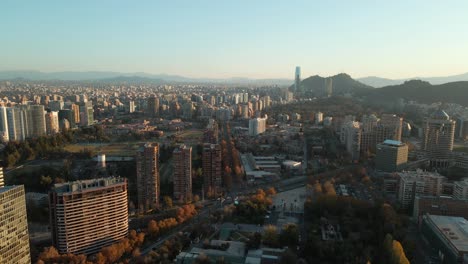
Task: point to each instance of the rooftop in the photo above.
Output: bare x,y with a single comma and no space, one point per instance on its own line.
7,188
395,143
454,229
77,186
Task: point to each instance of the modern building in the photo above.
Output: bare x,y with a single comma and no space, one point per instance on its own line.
86,113
297,79
460,189
182,157
448,235
318,118
257,126
86,216
419,182
439,205
351,137
69,115
34,120
439,133
329,86
375,130
17,128
52,123
391,156
3,124
56,105
148,183
212,171
14,236
2,182
153,106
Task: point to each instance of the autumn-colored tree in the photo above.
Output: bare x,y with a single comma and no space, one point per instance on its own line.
271,191
153,228
270,235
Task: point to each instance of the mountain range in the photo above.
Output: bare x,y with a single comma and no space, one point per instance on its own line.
131,77
379,82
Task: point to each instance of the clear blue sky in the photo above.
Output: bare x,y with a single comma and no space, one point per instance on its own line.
224,38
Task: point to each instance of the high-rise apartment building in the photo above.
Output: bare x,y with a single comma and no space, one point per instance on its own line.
148,185
14,236
391,156
182,173
153,106
211,160
2,182
34,119
413,183
351,137
375,130
76,113
86,113
17,128
86,216
460,189
52,123
3,124
439,132
257,126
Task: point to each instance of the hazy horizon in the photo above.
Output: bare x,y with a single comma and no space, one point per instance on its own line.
260,40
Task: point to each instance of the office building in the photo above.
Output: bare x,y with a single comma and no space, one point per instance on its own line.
460,189
182,173
297,79
391,156
448,236
86,216
35,120
329,86
439,132
414,183
14,236
148,185
212,172
257,126
439,205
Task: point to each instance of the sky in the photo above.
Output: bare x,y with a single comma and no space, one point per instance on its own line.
223,38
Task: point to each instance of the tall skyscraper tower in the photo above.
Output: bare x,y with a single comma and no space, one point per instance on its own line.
329,86
439,133
211,159
14,236
3,124
183,173
153,106
148,186
297,79
87,113
86,216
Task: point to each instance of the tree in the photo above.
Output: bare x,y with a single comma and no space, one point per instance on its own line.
289,236
153,228
271,191
196,198
270,235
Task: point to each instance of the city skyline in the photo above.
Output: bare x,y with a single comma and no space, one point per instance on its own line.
241,39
